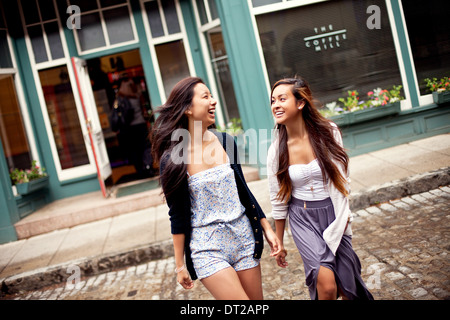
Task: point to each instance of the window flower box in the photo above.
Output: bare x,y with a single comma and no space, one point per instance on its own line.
440,89
29,180
441,97
374,113
32,185
379,103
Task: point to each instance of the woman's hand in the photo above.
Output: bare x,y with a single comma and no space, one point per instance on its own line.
271,237
274,242
184,279
281,258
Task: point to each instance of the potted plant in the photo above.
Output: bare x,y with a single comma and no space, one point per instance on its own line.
378,103
440,89
29,180
234,128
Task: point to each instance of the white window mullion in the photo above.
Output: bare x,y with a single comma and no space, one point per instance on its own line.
103,24
208,12
47,46
163,18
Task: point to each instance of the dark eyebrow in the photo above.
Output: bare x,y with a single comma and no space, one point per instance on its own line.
283,94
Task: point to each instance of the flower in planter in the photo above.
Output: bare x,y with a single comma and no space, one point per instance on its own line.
376,97
382,97
23,176
351,101
435,85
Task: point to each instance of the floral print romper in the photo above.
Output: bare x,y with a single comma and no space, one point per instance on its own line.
221,232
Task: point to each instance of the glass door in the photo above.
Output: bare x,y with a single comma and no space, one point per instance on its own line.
93,126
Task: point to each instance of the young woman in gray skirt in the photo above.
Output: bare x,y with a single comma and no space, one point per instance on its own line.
307,170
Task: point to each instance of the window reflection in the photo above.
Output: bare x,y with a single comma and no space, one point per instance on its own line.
172,63
223,74
64,119
429,37
12,131
330,45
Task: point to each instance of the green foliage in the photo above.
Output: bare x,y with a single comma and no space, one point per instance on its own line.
26,175
376,97
441,85
234,127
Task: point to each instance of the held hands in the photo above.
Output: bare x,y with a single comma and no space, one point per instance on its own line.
281,258
274,242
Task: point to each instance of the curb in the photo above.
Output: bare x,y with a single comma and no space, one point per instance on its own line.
85,267
400,188
90,266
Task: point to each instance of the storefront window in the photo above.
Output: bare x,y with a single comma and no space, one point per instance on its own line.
429,37
207,11
107,25
12,131
223,74
154,18
91,34
330,45
43,30
118,25
172,63
5,56
165,25
63,116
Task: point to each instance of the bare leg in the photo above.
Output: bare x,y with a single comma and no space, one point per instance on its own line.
225,285
326,284
251,281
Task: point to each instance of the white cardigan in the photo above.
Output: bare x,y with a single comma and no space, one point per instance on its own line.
333,233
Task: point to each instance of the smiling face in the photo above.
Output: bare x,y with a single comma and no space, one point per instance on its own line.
285,106
203,106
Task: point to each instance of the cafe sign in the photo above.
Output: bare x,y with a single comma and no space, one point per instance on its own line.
325,38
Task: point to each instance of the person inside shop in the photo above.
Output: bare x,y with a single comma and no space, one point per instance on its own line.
216,222
134,138
307,170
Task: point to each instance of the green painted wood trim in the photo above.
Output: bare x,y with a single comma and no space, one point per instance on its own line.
9,213
407,126
8,234
407,58
245,64
146,57
193,39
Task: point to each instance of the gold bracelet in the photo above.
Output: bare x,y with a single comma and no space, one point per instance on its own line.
177,270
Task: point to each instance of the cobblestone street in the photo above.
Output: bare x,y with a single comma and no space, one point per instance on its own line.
403,246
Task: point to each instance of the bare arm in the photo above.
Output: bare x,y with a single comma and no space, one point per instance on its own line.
183,277
279,230
272,239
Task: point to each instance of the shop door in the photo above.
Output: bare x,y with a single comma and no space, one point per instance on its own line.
92,122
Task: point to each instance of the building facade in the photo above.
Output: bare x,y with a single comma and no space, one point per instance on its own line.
61,62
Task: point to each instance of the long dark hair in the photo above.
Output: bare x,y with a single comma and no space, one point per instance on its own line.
172,117
321,137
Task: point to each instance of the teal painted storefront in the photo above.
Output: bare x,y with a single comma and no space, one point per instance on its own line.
250,83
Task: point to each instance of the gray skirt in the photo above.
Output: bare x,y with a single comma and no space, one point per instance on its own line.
307,226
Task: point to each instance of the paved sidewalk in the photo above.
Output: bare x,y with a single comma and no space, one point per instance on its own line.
144,235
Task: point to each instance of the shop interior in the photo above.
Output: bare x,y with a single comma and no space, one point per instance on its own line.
106,74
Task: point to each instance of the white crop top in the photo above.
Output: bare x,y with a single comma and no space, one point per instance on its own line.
307,182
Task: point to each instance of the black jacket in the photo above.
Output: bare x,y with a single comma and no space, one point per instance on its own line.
180,205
